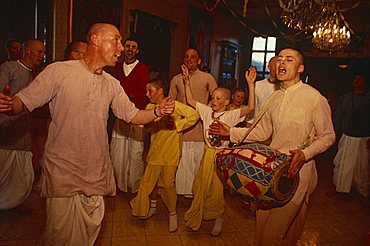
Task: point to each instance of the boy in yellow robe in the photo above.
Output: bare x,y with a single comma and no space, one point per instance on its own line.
208,202
163,157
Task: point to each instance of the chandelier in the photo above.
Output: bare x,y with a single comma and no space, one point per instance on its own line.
320,17
302,15
331,34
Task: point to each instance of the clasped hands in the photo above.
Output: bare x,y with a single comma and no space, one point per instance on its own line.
166,107
298,157
6,103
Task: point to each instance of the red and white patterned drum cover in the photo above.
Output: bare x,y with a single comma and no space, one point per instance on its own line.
258,173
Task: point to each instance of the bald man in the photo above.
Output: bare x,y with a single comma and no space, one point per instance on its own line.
202,85
265,87
75,50
296,127
16,171
77,170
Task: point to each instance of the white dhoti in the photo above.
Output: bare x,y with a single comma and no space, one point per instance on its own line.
351,165
126,149
16,177
192,153
73,220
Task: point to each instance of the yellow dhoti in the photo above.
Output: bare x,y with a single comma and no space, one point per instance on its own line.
208,202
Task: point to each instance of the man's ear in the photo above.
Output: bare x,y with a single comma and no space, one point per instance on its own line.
199,61
301,69
94,39
137,51
27,50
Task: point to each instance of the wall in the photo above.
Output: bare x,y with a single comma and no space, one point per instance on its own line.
224,28
227,28
175,11
16,20
60,27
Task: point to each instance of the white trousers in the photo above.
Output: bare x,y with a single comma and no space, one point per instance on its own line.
351,165
126,150
16,177
192,153
73,220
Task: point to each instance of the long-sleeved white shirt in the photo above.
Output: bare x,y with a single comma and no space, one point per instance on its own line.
299,117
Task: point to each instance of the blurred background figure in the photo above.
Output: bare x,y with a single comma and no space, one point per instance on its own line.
237,99
13,50
16,148
75,50
352,125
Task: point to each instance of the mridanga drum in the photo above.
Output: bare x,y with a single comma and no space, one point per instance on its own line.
257,172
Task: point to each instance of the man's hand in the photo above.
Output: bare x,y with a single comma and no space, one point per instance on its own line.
185,74
298,159
166,107
251,75
219,128
6,103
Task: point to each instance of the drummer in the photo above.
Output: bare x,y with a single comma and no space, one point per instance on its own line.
208,202
299,123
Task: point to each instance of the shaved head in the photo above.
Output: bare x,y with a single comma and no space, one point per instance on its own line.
98,29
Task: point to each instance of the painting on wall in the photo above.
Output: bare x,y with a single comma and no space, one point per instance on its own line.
200,31
88,12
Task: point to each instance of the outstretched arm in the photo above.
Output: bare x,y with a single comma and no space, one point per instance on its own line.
250,76
11,105
166,107
189,95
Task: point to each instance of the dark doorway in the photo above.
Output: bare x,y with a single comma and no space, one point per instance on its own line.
154,36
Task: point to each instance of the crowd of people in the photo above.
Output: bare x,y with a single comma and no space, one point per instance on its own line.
118,128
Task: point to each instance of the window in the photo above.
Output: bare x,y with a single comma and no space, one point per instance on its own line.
262,51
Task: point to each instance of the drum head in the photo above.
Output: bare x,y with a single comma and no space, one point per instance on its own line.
282,187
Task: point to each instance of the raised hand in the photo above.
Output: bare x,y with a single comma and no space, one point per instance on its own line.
185,73
251,75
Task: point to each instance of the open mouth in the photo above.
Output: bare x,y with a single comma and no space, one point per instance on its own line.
282,70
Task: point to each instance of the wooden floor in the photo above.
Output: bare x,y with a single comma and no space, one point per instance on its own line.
332,220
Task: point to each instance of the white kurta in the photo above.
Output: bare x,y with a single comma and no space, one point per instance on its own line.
300,118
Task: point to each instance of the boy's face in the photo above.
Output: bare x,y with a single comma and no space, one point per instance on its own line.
153,93
238,98
219,101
